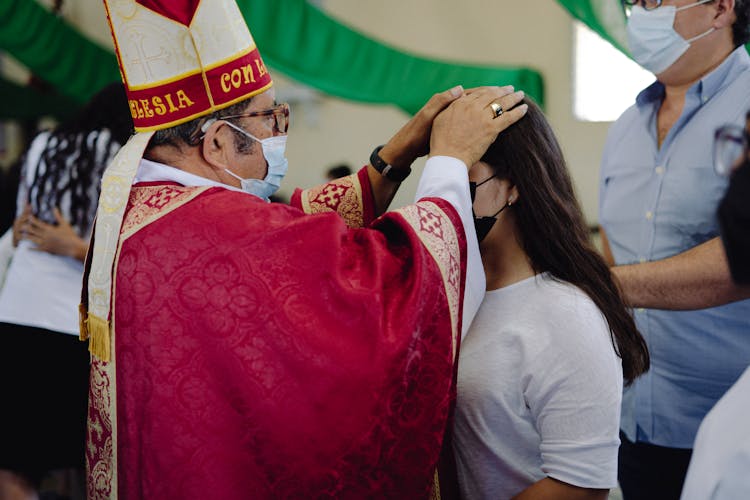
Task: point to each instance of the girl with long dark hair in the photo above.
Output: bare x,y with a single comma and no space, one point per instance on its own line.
541,369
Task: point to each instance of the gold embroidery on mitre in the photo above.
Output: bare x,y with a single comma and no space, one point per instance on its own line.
343,196
166,63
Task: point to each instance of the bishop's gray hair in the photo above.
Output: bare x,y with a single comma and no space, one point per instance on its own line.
189,133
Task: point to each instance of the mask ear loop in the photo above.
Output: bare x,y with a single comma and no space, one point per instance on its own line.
207,125
198,135
242,131
510,202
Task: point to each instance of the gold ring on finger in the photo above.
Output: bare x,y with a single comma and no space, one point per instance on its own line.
497,110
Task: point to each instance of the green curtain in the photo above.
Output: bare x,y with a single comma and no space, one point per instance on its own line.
25,103
311,47
54,51
605,17
294,37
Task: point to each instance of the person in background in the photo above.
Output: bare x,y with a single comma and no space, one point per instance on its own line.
338,171
734,209
541,369
721,456
43,366
657,208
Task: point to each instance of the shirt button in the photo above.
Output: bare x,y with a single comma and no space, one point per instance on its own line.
649,215
659,170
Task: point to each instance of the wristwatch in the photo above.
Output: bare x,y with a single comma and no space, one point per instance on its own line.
387,171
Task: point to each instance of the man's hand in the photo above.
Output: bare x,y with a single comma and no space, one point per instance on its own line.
468,126
409,143
60,239
413,139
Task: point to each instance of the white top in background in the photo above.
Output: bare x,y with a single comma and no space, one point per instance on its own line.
720,465
42,290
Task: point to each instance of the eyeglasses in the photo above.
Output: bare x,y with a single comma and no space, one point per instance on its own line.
473,186
627,5
730,148
279,114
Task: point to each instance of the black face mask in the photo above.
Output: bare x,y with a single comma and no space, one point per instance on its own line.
483,225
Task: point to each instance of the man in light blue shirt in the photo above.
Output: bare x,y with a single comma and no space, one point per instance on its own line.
658,199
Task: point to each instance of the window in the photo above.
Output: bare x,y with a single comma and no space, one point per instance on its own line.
605,81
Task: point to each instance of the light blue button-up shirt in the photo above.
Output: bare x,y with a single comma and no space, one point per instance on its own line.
655,203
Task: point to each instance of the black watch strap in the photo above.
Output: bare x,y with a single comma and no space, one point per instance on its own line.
387,171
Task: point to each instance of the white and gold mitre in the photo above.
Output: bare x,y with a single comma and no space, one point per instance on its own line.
181,59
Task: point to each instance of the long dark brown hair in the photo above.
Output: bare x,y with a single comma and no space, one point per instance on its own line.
552,230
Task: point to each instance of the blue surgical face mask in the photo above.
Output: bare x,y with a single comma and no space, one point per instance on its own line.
652,39
273,151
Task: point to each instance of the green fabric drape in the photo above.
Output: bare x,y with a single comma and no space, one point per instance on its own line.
311,47
605,17
54,51
24,103
294,37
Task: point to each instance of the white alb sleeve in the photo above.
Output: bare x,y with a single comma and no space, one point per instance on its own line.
448,178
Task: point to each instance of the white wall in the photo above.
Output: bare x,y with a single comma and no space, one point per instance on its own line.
535,33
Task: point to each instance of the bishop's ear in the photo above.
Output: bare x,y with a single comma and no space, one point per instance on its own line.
215,144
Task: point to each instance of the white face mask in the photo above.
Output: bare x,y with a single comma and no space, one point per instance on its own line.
652,40
273,151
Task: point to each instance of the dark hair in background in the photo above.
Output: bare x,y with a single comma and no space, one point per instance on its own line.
338,171
552,229
741,27
72,161
107,109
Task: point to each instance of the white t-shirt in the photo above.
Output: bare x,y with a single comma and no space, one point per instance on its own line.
720,465
539,391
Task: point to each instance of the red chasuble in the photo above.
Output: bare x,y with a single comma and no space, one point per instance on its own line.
269,351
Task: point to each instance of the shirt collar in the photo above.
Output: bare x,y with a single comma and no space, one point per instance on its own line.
650,94
708,86
151,171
